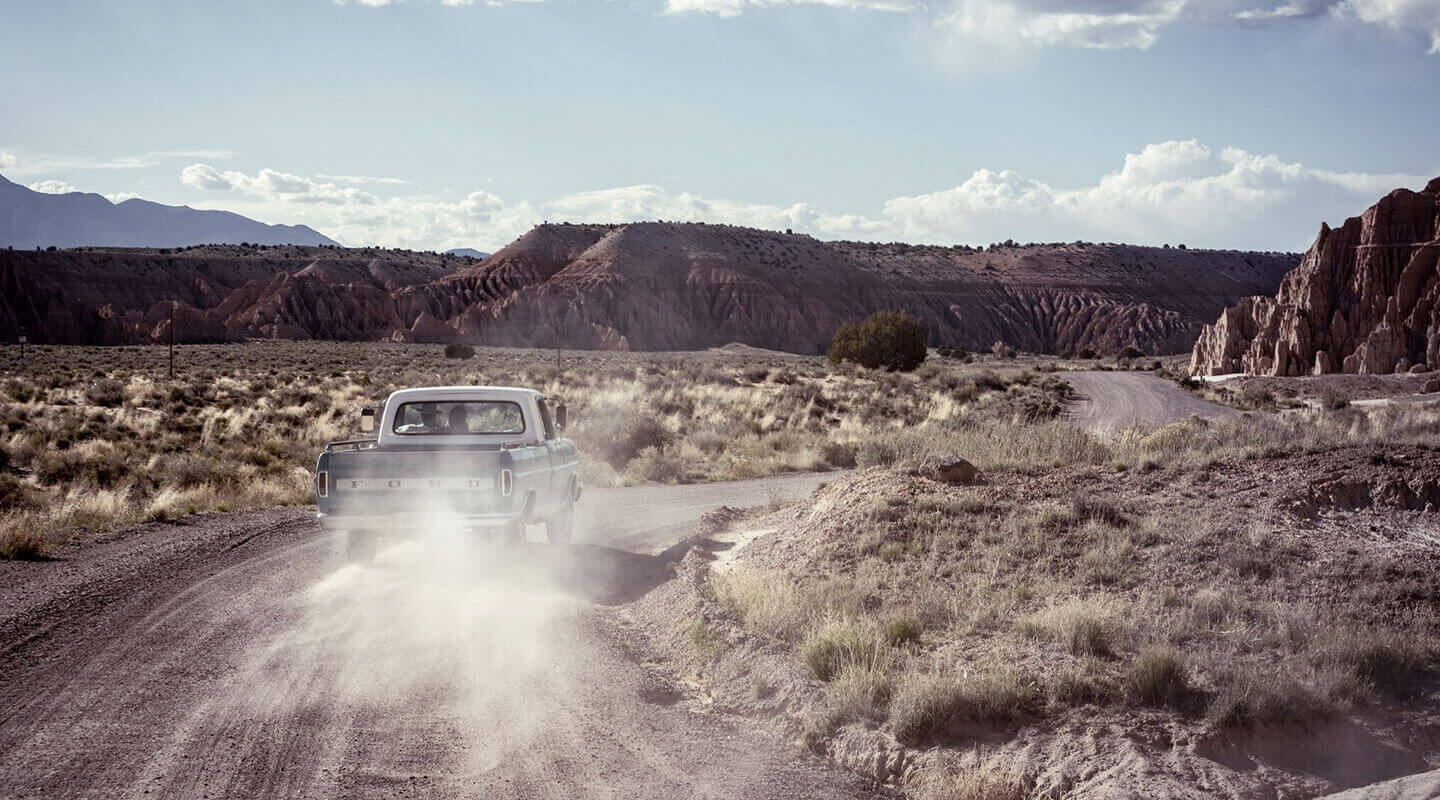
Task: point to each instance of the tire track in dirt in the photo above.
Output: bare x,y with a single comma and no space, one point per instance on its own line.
236,656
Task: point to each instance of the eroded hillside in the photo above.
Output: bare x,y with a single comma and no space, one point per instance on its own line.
643,286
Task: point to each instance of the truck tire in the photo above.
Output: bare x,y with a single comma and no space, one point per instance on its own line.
360,547
514,535
561,525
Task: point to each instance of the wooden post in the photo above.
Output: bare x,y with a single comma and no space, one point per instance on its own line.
172,340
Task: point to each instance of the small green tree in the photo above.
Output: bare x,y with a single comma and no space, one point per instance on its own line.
889,339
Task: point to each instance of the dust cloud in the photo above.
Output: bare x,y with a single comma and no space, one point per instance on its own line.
446,652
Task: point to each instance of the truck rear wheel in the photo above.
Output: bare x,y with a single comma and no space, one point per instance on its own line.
561,525
360,547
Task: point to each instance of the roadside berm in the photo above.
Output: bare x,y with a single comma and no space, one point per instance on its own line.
1263,627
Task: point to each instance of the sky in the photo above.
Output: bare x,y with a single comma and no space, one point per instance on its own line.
433,124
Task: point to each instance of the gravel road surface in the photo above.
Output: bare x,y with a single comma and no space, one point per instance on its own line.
1104,402
237,656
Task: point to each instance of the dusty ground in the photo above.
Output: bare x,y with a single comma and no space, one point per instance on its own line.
235,656
1107,401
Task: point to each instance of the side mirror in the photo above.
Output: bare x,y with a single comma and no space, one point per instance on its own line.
560,416
367,420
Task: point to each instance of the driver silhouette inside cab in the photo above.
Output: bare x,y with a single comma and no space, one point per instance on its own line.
459,419
429,422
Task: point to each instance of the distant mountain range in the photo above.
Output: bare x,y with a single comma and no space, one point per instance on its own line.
30,219
467,252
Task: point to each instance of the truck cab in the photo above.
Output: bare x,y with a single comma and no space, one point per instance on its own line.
482,460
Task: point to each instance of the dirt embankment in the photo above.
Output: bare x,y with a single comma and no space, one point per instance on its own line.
1256,629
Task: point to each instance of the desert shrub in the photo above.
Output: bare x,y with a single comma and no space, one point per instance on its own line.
22,543
937,707
459,351
893,340
903,631
1387,662
841,455
1158,678
1088,507
1078,685
106,392
1130,352
837,646
1254,697
1258,397
658,465
186,471
14,494
768,602
856,694
622,436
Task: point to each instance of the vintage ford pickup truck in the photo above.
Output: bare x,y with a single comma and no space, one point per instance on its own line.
475,459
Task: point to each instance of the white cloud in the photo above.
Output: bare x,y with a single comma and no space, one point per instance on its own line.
1101,24
273,184
730,8
358,179
53,186
1423,15
1094,24
1175,191
40,163
1169,191
452,3
120,197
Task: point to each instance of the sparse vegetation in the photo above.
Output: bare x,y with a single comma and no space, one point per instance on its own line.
986,608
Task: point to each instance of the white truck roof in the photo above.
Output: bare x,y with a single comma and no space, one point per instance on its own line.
423,393
525,398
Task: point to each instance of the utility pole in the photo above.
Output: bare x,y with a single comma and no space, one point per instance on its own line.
556,327
172,340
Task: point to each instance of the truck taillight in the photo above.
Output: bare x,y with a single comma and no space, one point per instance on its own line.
507,482
322,483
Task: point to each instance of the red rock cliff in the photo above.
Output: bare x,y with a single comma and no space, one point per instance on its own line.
1365,299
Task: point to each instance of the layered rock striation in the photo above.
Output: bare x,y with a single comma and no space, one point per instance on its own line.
1365,299
642,286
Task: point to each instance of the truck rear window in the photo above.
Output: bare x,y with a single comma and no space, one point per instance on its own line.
459,418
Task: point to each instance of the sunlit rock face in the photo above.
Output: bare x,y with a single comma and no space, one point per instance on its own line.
1363,300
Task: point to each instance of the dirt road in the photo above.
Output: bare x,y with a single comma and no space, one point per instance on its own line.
1104,402
237,656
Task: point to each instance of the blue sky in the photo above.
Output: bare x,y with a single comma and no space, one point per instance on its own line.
1228,123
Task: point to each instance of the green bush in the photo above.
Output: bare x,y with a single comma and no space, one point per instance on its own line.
457,350
889,339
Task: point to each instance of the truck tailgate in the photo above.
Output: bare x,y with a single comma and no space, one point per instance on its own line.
380,481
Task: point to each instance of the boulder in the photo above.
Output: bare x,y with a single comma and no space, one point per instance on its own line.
956,472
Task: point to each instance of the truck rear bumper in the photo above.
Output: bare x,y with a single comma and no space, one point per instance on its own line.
414,522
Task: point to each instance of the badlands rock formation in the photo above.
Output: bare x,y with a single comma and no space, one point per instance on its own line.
1365,299
643,286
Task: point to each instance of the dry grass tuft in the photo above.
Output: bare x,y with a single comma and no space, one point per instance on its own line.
940,707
